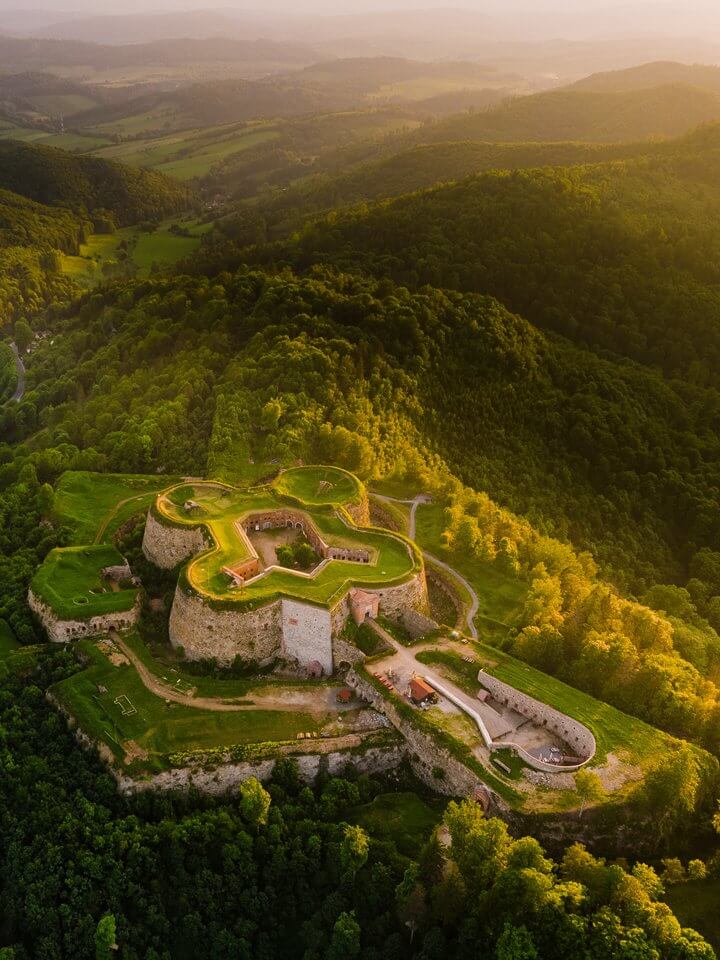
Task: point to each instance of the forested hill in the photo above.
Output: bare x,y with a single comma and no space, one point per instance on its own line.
83,183
410,170
657,74
620,256
570,114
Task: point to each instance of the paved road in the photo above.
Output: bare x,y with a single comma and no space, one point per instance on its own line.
445,567
20,389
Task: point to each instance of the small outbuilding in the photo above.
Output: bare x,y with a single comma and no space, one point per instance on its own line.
344,696
421,692
364,605
314,670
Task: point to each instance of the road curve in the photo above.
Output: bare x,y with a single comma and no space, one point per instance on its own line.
436,561
20,389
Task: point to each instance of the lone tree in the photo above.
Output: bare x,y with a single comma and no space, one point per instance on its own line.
105,938
589,787
345,943
254,802
354,850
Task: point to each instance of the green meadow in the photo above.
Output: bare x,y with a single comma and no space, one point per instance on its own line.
69,581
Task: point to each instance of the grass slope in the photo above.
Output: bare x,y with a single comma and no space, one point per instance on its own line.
158,727
69,582
87,502
501,596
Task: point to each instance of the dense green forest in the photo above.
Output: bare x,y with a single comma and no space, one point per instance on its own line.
534,343
169,875
88,184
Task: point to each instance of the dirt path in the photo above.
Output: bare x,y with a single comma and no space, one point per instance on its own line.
450,571
309,699
113,513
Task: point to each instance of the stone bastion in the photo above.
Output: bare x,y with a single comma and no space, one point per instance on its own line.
573,733
300,631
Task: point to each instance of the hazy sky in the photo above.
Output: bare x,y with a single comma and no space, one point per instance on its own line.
358,6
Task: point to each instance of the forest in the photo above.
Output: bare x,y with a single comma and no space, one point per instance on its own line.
513,310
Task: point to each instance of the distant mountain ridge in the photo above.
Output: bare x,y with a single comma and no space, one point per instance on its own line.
596,116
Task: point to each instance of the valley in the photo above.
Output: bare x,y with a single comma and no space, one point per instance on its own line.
359,418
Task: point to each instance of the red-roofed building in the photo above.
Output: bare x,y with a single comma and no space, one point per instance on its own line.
421,692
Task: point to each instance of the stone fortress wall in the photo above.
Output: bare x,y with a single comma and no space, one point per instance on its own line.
286,628
62,631
205,632
307,634
573,733
168,546
425,754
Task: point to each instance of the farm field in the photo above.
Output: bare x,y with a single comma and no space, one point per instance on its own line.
144,249
75,142
191,153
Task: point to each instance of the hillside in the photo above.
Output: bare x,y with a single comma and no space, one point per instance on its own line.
322,88
616,255
577,114
660,74
83,183
408,171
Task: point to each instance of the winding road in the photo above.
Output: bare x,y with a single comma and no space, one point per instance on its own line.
436,561
20,389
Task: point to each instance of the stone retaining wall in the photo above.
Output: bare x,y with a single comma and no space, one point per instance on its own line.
360,512
575,734
62,631
228,776
205,632
417,624
426,756
168,546
394,601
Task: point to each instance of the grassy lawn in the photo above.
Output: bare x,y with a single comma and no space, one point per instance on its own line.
86,502
615,732
697,904
399,489
319,485
69,582
145,249
501,596
158,727
405,818
220,509
162,247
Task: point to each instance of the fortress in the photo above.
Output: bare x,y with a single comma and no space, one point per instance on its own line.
234,600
